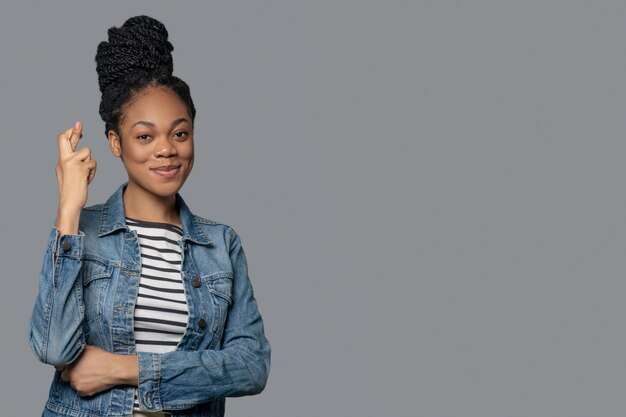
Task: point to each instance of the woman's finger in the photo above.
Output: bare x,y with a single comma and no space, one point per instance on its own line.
68,139
63,141
77,133
92,171
65,375
83,154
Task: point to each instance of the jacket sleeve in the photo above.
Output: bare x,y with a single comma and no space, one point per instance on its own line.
55,326
182,379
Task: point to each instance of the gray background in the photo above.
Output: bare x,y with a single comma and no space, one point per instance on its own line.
430,193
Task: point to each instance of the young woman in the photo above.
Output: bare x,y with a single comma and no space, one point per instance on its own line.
144,308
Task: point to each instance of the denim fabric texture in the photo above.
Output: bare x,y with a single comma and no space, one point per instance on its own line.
87,290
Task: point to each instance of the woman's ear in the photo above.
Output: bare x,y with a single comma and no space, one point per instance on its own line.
115,143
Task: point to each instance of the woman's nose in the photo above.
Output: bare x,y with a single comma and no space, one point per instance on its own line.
164,148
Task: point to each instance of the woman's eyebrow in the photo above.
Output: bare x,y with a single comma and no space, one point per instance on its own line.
178,121
143,122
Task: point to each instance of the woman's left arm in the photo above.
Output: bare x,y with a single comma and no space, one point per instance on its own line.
182,379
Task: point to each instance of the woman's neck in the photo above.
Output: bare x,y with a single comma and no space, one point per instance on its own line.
142,205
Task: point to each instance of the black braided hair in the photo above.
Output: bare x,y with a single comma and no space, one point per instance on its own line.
137,55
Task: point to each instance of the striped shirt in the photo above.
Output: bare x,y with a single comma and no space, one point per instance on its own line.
160,317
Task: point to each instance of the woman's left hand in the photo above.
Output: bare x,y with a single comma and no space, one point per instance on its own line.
97,370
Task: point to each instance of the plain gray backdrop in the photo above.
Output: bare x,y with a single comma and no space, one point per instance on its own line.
430,193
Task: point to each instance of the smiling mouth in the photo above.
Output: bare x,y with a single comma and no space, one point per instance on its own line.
167,171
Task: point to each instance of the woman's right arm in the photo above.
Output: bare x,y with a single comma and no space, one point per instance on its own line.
55,326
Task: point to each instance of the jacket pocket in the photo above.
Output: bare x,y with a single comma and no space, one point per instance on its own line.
220,286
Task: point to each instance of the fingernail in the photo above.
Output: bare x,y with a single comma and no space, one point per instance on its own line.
77,125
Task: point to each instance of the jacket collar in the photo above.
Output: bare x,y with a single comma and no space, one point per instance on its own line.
113,218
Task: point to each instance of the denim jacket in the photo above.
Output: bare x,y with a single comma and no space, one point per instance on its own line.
87,290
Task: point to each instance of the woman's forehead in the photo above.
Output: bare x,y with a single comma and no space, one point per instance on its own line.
157,106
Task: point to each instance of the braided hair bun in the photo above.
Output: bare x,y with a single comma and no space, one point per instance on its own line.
137,55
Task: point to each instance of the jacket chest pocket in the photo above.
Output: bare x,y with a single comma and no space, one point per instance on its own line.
96,277
220,287
211,301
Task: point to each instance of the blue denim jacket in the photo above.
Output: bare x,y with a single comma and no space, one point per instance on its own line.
87,290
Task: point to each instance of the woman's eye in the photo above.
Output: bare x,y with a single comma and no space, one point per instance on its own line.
143,137
180,134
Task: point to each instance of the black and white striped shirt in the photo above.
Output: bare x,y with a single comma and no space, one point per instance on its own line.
161,307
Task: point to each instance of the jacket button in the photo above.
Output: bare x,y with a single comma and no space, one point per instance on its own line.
66,245
202,323
196,283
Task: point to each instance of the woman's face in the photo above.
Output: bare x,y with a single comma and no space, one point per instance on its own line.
156,144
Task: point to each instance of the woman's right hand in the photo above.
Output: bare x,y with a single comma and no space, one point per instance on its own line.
75,170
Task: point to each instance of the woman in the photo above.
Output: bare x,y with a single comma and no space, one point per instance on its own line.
144,308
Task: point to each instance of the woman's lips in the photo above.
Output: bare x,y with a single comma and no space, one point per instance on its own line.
168,171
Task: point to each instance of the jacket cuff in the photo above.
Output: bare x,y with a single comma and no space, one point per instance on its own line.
149,381
66,245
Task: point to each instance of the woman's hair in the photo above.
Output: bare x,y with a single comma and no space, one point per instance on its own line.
137,55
